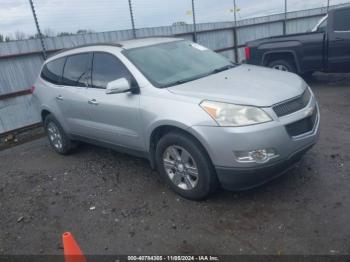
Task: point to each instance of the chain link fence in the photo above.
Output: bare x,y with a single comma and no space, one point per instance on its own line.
64,17
50,25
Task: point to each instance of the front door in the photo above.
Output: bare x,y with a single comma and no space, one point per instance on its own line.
339,41
115,118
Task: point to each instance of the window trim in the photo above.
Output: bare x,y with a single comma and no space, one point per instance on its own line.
61,76
65,57
324,26
315,29
89,71
133,79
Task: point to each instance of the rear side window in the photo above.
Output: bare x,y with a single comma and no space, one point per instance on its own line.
107,68
342,20
77,70
52,71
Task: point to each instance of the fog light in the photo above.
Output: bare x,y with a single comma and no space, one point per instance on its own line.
257,156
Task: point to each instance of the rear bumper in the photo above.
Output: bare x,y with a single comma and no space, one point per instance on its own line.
238,179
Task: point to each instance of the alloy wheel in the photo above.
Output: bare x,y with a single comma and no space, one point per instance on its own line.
180,167
281,68
55,135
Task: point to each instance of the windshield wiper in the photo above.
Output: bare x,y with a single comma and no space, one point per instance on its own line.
215,71
182,81
221,69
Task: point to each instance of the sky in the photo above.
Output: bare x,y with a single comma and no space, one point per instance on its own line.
57,16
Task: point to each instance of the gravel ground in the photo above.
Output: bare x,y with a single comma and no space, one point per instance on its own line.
115,204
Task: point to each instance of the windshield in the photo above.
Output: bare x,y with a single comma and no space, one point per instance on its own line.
176,62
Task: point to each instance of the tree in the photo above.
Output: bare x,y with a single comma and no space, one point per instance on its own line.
48,32
85,31
64,34
4,38
35,36
179,23
81,31
20,35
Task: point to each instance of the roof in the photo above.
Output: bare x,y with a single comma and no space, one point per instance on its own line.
140,42
128,44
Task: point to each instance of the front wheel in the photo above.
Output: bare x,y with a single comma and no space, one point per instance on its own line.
185,166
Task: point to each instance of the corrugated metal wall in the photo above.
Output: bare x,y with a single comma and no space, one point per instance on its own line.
20,61
17,73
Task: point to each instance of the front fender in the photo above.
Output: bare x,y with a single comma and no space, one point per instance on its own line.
162,123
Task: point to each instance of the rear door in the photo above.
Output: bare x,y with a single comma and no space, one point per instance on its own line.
339,41
52,88
73,96
115,118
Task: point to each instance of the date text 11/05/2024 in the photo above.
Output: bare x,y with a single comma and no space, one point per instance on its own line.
173,258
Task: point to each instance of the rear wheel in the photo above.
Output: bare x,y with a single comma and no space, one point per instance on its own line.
185,166
283,65
57,137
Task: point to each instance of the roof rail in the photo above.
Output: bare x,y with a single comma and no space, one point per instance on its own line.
86,45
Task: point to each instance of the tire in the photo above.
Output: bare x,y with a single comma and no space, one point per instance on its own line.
58,139
191,158
283,65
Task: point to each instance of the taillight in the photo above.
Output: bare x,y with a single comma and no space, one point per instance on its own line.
32,89
247,53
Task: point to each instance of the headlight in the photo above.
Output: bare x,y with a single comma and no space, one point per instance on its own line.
234,115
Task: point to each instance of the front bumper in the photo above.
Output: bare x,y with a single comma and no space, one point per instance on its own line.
238,179
222,142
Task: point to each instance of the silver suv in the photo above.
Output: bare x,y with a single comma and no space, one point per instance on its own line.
201,120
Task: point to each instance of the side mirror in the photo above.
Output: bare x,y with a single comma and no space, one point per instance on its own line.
118,86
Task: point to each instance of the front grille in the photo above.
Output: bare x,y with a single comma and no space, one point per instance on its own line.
293,105
302,126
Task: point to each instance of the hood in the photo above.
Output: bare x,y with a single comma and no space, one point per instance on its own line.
245,85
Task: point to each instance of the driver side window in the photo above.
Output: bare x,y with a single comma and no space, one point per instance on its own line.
106,68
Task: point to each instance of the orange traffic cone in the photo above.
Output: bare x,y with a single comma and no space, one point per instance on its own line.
72,252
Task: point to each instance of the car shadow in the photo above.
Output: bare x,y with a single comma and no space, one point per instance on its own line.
289,182
329,79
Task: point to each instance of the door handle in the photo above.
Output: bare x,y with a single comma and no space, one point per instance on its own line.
339,39
93,102
59,97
